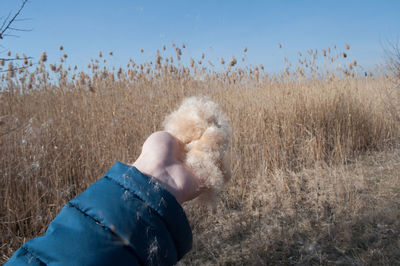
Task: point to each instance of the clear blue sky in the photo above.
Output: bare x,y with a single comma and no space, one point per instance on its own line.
217,28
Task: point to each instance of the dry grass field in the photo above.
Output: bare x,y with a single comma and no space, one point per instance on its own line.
314,152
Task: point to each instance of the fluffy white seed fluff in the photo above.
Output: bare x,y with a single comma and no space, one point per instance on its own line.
204,129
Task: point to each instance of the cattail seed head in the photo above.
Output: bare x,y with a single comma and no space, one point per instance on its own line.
91,89
347,46
279,45
43,57
10,70
232,62
61,47
158,59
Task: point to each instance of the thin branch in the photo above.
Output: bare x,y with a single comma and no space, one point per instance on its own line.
22,19
16,68
11,28
3,30
5,21
11,35
392,51
14,59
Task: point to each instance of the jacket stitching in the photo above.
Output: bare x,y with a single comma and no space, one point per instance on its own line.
150,207
137,196
33,255
106,228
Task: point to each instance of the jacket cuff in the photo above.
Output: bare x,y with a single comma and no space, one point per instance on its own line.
159,199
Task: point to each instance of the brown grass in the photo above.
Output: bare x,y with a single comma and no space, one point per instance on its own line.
314,155
346,215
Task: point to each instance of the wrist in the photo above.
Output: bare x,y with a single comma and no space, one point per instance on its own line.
163,178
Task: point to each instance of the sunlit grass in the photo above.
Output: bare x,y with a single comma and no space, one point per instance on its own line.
297,191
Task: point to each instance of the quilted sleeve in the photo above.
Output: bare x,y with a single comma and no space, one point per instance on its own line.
125,218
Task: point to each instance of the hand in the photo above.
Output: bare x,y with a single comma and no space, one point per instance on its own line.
162,159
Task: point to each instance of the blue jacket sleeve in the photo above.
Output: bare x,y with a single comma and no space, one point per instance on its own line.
125,218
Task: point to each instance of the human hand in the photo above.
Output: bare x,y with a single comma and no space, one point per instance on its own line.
162,159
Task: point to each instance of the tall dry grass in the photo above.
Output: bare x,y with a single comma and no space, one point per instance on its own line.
298,193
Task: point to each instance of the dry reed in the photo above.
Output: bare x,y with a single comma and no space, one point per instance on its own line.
301,191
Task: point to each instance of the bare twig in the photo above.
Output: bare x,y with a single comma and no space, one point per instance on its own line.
16,68
16,29
5,21
393,57
6,29
22,19
15,59
392,51
7,25
10,35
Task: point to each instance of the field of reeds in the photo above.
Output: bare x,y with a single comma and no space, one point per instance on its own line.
314,152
